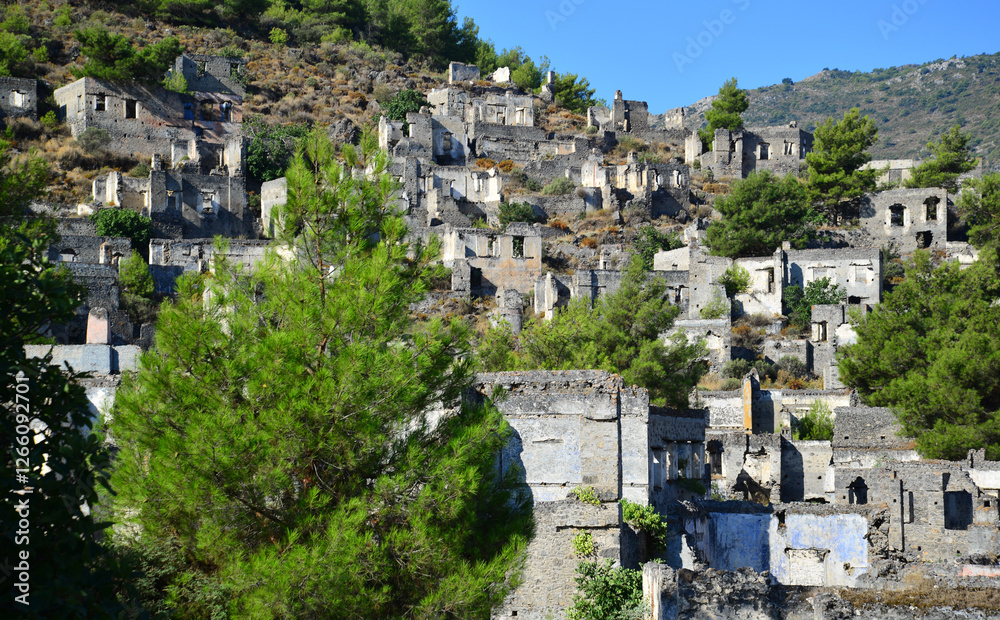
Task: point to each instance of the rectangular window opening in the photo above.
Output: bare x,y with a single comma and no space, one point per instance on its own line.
131,108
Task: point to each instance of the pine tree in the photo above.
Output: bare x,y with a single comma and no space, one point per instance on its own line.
840,150
952,157
621,333
726,112
46,423
280,437
931,351
760,212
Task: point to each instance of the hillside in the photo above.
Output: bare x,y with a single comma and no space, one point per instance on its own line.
911,104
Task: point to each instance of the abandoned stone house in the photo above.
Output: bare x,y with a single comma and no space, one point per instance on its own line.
18,98
143,121
735,154
858,270
483,261
587,428
182,202
912,219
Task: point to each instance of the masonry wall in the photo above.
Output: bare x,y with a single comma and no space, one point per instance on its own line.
911,218
18,98
570,429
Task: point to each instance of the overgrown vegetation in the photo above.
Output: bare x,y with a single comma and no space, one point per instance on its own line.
620,333
736,279
517,212
726,112
607,593
122,222
799,302
644,518
931,351
816,424
760,212
649,241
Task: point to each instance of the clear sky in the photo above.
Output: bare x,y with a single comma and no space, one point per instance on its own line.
672,53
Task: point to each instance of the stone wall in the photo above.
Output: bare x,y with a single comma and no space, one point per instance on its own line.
212,74
18,98
572,429
911,218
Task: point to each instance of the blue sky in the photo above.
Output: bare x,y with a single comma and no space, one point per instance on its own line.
673,53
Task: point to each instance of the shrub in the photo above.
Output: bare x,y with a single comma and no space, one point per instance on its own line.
560,225
793,366
747,337
134,277
278,36
716,309
736,279
560,186
583,545
94,139
587,495
649,241
736,369
731,384
63,16
50,120
485,162
607,593
816,424
589,242
591,130
403,103
506,166
517,212
140,170
644,517
765,370
175,82
120,222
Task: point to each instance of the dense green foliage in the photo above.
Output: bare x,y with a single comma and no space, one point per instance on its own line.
736,279
951,157
403,103
134,276
620,334
931,351
760,212
559,186
61,507
644,518
979,204
573,92
13,56
608,593
649,241
726,112
517,212
279,436
122,222
840,150
114,57
815,425
271,148
799,302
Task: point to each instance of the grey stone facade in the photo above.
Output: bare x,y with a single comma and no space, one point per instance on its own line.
18,98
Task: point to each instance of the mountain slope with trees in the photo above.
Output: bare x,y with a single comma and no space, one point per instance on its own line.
911,104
